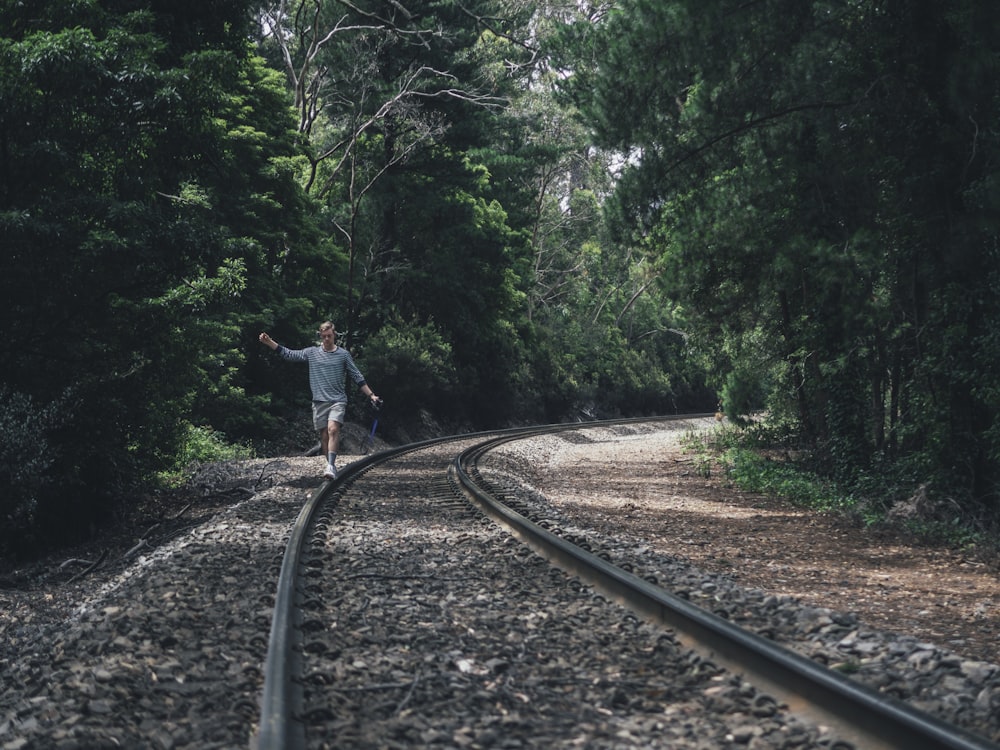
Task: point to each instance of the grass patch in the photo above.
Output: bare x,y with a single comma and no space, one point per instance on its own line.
751,471
201,445
764,461
705,457
956,534
744,461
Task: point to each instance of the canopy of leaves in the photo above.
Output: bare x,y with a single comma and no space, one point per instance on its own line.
820,179
147,170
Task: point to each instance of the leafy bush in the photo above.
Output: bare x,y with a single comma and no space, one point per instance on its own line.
755,473
25,462
743,393
411,367
882,497
202,445
743,456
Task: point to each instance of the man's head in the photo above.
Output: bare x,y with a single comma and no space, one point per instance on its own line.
328,334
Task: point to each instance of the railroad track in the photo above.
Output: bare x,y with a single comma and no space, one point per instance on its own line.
314,696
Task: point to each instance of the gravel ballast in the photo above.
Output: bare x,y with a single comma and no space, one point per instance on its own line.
431,627
958,689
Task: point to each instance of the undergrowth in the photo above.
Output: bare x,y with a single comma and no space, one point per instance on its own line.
753,461
753,472
201,445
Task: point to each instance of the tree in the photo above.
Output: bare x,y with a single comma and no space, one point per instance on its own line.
360,76
146,176
814,177
404,105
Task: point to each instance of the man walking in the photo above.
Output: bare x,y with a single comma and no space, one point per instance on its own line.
329,366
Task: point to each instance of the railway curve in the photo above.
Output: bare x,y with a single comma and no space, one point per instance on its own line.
162,645
854,712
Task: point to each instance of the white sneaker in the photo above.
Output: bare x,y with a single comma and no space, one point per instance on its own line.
330,472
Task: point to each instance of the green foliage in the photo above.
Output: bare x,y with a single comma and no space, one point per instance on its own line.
763,458
415,371
201,445
465,197
742,394
166,194
25,466
755,459
754,473
819,176
411,155
750,376
957,533
147,190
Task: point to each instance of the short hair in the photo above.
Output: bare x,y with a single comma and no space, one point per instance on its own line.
327,325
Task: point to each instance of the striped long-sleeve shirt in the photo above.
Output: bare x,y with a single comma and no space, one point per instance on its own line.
327,370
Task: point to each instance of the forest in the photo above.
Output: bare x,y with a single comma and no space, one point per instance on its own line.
514,211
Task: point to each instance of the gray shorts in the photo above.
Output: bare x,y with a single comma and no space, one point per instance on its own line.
328,411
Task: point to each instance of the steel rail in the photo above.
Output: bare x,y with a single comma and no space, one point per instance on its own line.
858,713
278,728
